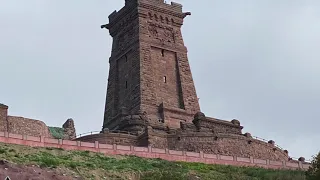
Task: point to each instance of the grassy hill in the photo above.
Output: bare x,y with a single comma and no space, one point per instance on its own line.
88,165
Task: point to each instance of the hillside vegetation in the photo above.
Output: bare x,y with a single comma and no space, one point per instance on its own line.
88,165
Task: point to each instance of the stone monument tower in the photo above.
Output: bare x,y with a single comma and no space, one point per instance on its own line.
151,98
150,81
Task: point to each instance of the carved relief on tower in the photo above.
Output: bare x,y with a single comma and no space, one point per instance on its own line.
161,18
162,34
153,31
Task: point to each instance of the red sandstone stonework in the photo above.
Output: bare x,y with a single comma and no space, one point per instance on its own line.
150,152
31,127
149,68
151,93
3,117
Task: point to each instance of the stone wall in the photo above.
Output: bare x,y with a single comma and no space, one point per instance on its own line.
3,117
21,125
225,144
156,138
32,127
110,138
149,152
211,125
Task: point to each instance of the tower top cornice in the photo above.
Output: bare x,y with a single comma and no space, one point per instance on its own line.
142,7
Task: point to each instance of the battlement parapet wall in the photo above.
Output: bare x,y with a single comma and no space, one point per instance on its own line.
149,152
173,6
135,7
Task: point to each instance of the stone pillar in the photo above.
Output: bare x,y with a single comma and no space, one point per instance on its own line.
3,118
69,130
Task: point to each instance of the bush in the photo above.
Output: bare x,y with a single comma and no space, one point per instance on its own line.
313,172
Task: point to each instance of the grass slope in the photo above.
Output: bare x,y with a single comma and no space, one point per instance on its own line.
98,166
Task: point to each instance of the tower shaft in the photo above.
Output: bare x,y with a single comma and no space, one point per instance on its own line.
149,69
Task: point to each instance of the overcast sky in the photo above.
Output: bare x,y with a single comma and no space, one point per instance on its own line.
255,61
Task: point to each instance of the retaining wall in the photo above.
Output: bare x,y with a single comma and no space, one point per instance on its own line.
148,152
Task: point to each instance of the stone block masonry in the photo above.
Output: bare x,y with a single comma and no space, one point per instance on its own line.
3,117
149,152
151,92
149,69
151,96
31,127
21,125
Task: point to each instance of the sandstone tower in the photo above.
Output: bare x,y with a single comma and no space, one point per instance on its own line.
149,69
151,98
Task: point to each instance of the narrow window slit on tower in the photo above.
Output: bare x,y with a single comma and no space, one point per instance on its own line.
162,52
126,84
165,79
126,57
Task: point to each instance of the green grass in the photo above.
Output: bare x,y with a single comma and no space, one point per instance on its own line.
56,132
98,166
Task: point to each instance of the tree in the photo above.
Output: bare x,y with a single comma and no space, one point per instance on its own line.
313,172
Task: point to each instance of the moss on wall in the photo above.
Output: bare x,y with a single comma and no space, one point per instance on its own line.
57,132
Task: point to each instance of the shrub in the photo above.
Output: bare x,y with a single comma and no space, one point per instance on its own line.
313,172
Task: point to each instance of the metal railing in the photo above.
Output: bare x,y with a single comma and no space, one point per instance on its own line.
267,141
297,159
293,158
88,133
130,133
111,131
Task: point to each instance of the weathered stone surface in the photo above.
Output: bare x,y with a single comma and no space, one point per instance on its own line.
69,129
149,68
21,125
110,138
25,126
151,91
302,159
271,142
3,117
31,127
248,135
230,145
